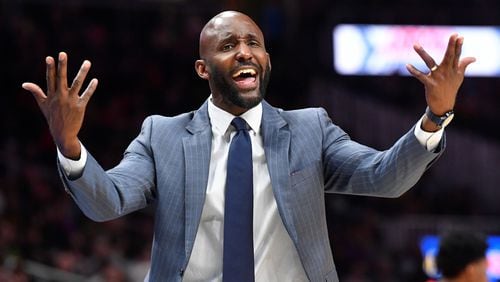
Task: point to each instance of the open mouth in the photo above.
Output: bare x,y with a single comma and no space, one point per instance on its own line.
246,78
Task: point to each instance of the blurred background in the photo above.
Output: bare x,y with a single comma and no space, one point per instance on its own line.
143,54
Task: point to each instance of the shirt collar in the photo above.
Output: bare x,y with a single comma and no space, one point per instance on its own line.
221,119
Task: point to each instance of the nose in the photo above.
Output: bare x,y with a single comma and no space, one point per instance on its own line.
244,52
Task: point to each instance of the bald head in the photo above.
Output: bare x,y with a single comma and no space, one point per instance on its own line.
223,24
234,61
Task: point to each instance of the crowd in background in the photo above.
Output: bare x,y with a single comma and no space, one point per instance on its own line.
143,53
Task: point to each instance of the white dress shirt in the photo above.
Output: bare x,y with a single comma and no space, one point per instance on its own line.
276,258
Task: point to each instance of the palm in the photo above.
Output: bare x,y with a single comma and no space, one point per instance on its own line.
444,80
62,106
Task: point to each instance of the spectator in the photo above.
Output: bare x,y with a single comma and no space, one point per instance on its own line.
462,257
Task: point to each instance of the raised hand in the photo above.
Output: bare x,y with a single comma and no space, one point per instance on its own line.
443,81
63,106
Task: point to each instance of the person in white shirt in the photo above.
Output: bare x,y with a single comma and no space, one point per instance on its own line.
180,162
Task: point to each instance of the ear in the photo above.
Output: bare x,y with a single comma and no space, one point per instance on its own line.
476,271
201,68
268,61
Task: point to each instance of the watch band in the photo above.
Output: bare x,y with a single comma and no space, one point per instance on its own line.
440,121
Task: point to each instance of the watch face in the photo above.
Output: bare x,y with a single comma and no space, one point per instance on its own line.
448,120
440,121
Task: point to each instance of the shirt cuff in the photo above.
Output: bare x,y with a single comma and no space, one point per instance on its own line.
73,167
430,140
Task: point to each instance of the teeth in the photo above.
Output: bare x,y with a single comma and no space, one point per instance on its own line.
244,71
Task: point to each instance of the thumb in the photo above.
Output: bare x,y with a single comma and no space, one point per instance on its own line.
35,90
465,62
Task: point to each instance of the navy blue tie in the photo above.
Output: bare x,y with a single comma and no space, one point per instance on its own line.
238,259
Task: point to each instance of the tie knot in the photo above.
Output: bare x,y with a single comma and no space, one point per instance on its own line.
239,124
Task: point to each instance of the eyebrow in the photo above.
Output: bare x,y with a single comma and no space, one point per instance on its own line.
228,35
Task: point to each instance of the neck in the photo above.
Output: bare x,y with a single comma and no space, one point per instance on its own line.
225,105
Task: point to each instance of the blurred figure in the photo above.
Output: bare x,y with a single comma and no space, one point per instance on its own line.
462,257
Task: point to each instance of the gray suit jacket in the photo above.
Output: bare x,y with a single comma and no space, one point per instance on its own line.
307,155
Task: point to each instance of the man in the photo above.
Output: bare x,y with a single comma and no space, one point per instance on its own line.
182,162
462,257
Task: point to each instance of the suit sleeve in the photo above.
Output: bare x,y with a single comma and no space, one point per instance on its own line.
352,168
105,195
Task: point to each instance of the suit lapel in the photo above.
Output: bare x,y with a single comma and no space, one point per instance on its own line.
197,147
276,138
197,159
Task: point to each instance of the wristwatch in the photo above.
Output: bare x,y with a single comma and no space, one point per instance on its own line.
440,121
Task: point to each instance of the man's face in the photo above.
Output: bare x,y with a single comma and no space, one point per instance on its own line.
235,62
